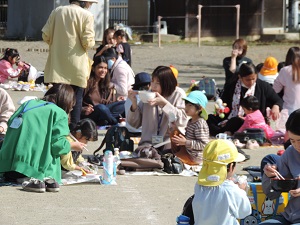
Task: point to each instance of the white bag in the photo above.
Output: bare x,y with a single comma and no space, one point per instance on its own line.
32,73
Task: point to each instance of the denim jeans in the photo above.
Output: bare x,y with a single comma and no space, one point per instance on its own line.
278,220
107,114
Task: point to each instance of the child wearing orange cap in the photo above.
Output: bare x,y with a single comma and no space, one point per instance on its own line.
269,71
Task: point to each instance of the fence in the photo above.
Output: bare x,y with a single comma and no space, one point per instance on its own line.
118,13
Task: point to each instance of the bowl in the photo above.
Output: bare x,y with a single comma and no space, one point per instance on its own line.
145,96
284,185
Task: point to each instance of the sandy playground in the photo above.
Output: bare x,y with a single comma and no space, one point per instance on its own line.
142,200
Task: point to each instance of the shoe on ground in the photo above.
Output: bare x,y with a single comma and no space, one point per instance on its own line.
252,144
51,184
34,185
237,143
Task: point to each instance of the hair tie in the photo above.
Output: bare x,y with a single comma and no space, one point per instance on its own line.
174,70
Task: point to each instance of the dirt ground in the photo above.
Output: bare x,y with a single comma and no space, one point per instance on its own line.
135,199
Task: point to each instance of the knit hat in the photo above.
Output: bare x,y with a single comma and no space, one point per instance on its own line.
269,67
217,154
198,98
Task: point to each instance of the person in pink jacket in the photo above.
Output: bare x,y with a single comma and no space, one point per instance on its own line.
254,117
11,56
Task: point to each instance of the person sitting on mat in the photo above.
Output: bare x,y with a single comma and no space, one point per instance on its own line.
197,131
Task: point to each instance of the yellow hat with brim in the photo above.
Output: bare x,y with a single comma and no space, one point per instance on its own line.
216,156
269,67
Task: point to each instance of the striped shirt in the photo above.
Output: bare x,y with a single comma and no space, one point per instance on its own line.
197,136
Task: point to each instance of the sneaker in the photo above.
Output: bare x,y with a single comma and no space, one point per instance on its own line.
51,184
237,143
252,144
34,185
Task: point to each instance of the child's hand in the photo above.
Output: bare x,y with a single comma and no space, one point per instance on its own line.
242,117
132,96
179,140
243,186
77,146
121,98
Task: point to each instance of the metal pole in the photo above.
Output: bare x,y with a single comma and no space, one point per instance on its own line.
199,24
262,17
237,21
159,25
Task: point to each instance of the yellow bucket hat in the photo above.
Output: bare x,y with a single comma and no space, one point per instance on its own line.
269,67
216,156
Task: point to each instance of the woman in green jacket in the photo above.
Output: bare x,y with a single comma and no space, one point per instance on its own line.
35,139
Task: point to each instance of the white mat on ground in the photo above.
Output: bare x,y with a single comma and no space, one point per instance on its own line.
185,173
74,177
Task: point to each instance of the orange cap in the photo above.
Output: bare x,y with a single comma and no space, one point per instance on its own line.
269,67
174,70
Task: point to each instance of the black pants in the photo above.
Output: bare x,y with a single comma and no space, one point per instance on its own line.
75,113
232,124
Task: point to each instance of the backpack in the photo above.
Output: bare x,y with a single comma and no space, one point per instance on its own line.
255,216
116,137
208,86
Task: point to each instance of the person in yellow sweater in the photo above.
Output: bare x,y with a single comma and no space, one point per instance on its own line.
85,130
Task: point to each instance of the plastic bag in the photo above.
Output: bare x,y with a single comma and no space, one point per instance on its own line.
32,73
279,124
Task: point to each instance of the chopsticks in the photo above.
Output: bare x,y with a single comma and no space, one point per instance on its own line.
277,174
77,141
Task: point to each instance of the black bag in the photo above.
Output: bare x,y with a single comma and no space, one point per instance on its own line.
251,133
172,164
116,137
188,209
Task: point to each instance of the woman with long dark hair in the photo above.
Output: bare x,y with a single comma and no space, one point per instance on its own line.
100,102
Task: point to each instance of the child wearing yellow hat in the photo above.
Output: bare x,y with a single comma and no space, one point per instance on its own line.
218,200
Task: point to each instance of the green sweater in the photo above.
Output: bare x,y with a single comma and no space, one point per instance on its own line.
35,147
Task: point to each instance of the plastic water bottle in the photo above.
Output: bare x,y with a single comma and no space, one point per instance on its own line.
108,168
117,161
183,220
